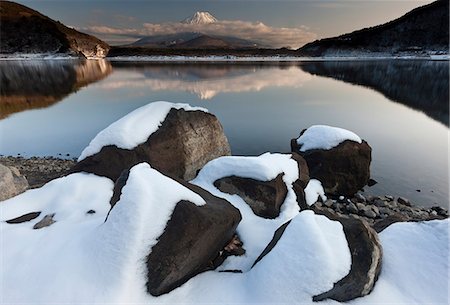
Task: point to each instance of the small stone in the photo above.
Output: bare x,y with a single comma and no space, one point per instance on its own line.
341,198
418,191
404,201
351,207
434,213
45,222
371,182
90,212
375,210
379,202
368,212
360,197
328,203
390,198
360,206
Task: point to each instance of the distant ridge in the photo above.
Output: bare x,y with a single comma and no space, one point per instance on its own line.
424,30
23,30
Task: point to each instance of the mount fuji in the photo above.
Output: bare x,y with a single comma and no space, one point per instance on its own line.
195,39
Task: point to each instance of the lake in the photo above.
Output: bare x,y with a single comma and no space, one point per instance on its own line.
54,108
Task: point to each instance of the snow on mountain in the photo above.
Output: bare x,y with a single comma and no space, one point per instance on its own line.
200,18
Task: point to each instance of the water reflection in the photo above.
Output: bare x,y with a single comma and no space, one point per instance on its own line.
208,80
422,85
28,85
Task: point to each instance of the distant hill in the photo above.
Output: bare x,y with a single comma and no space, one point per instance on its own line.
23,30
424,30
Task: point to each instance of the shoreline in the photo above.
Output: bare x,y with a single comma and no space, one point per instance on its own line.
379,211
220,58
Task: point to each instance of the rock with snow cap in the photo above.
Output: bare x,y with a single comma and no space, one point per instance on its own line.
195,238
176,139
366,251
335,156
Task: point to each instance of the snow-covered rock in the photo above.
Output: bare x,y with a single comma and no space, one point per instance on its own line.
193,232
176,139
335,156
255,231
324,137
81,258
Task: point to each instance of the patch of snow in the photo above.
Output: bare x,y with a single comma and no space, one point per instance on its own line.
255,232
325,137
134,128
415,265
313,191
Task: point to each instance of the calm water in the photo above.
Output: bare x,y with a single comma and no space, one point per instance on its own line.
400,108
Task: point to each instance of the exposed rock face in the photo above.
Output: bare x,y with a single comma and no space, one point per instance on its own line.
12,182
302,181
366,252
24,30
422,30
182,145
194,240
264,197
343,170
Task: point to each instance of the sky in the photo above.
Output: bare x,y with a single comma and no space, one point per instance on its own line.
276,23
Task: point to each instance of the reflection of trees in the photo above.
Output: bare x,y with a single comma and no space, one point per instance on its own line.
208,80
421,85
36,84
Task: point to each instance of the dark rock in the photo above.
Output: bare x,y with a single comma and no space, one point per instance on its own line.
371,182
45,222
366,252
303,178
183,144
369,212
343,170
90,212
389,198
404,201
440,211
264,197
351,207
24,218
194,240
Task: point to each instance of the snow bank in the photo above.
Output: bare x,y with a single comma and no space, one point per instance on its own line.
81,259
313,191
134,128
325,137
415,265
256,232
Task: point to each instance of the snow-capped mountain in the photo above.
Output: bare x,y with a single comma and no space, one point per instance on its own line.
200,18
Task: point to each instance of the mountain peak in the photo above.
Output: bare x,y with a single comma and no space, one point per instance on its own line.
200,18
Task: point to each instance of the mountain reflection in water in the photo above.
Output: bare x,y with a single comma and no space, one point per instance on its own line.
33,84
419,84
208,80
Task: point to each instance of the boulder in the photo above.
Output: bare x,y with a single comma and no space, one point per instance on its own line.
12,182
366,252
343,169
264,197
183,144
195,239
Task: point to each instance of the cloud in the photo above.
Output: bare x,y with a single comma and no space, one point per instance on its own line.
257,32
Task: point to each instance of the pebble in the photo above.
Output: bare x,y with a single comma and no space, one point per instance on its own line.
404,201
360,197
351,207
